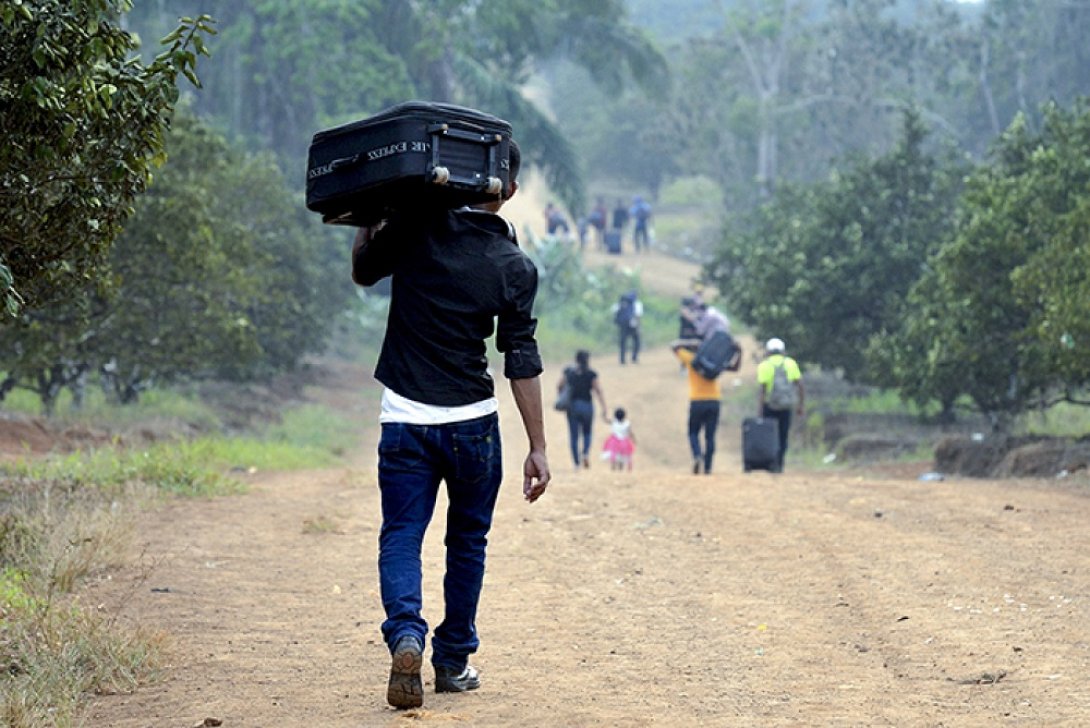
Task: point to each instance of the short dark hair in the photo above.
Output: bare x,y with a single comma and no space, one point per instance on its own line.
514,160
619,413
582,358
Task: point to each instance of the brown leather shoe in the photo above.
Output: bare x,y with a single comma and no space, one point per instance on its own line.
405,689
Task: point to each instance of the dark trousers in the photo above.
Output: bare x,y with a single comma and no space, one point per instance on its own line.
703,415
413,459
783,417
580,421
626,333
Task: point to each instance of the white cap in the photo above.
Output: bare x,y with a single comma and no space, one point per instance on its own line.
775,345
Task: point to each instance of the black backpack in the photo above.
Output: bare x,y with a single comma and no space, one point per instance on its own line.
625,317
718,353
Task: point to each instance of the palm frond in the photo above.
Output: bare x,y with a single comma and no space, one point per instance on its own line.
541,141
614,53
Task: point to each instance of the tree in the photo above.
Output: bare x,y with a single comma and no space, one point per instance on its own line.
1008,325
288,69
83,125
216,274
828,266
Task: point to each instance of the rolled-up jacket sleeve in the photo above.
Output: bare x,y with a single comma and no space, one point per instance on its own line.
516,325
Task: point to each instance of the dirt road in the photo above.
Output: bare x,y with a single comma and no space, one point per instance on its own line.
651,598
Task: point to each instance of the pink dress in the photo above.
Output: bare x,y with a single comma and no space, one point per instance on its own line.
618,446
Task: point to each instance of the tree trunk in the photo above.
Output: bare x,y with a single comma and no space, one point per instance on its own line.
6,386
986,85
78,386
50,383
766,146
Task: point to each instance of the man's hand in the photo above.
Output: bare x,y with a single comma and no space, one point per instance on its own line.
536,475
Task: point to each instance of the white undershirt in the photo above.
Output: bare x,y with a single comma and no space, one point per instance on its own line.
396,408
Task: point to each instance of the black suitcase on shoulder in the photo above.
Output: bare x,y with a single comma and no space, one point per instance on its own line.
760,443
717,353
409,155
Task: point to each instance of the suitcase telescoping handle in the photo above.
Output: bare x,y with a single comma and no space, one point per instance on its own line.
442,175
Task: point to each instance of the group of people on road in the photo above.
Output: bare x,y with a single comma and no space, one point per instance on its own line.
699,322
604,227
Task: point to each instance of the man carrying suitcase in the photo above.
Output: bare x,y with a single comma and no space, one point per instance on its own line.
453,273
779,392
704,396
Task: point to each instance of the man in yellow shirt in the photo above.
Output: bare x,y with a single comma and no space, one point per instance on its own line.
780,391
704,396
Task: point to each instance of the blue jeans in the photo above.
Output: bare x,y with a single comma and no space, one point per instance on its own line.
703,415
412,461
624,334
580,419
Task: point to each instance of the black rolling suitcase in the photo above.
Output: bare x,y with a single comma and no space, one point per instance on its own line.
409,155
760,443
613,241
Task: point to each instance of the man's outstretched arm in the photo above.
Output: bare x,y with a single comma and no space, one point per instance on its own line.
535,469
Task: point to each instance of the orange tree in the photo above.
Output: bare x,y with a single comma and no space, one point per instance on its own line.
1002,315
83,122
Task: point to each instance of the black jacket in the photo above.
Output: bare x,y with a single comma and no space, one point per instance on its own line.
457,276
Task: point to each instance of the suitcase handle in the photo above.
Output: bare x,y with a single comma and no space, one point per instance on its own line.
441,175
343,162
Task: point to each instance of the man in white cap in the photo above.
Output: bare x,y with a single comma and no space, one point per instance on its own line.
780,392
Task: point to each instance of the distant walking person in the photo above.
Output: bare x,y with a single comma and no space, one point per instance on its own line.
780,392
620,218
597,220
641,214
621,443
704,396
627,313
582,382
554,220
705,320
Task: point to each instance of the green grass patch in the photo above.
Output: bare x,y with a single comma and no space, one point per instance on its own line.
1062,420
688,217
97,409
315,428
55,652
180,468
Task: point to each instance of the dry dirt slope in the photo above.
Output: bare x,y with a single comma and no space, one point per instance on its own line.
654,598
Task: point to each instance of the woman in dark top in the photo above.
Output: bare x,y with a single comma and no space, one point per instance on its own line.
583,381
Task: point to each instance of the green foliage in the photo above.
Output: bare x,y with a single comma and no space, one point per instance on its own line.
172,468
772,91
287,69
83,124
283,70
307,437
216,274
827,267
1001,314
317,434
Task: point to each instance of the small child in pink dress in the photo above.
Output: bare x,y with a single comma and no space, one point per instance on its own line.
621,443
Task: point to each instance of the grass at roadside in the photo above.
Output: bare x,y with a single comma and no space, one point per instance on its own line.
565,327
66,517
